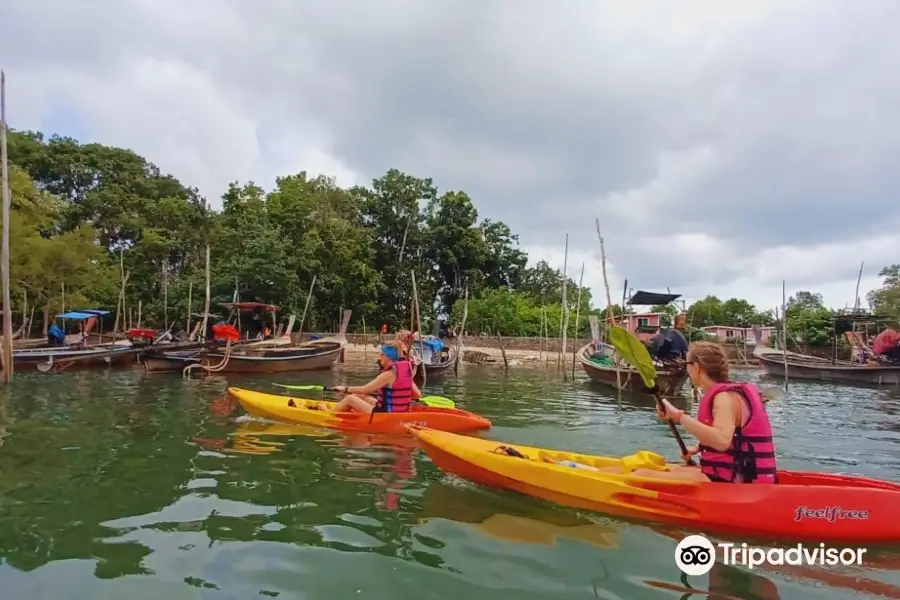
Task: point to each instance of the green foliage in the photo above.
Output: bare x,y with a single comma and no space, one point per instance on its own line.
77,208
809,320
886,299
519,314
733,312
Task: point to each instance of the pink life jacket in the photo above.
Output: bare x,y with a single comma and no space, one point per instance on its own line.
397,397
751,456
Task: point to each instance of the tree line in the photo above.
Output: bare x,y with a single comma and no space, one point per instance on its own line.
84,214
79,211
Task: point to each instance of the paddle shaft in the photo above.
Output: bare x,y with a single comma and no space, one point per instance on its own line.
635,352
684,451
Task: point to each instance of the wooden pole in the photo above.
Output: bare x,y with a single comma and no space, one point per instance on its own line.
308,298
62,290
784,329
187,325
609,306
546,334
503,353
577,318
7,303
462,332
165,296
139,315
365,340
564,310
120,305
541,332
415,291
856,295
206,304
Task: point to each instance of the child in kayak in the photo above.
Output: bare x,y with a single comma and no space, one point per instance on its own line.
392,391
732,426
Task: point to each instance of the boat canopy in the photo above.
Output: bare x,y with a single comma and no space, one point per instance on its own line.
651,298
93,311
76,315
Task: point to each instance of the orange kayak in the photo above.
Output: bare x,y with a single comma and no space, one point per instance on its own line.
300,410
803,506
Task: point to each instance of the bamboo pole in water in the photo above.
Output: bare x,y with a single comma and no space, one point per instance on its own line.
609,306
415,292
577,319
365,340
564,312
7,303
784,329
187,325
461,333
305,308
541,333
206,303
165,274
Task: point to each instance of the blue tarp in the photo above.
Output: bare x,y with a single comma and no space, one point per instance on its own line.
93,311
56,334
78,316
434,344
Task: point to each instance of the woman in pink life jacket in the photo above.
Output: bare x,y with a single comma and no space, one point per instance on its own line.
392,391
732,425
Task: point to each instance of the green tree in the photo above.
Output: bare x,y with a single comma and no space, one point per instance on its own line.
808,320
886,299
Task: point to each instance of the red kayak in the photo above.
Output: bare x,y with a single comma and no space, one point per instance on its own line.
802,507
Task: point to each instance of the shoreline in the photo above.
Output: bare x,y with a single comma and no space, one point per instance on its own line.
493,357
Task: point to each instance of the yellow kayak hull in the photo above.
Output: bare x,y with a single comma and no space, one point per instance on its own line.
314,412
755,510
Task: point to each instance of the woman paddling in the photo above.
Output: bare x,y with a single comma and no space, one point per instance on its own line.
732,426
392,391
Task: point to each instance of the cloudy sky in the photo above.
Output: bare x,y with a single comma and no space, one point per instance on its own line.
724,146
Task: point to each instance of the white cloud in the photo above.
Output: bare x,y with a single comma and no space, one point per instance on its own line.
724,146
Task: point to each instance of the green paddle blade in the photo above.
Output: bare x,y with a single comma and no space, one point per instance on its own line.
634,352
437,402
309,388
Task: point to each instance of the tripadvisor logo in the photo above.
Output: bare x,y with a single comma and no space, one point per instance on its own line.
695,555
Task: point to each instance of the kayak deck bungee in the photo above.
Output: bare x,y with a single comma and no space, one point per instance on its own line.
803,506
301,410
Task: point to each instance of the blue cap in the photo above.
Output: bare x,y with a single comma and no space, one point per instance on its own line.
390,352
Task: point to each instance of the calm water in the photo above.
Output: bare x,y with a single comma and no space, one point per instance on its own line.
127,485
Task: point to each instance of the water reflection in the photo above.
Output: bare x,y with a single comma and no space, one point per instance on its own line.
119,484
486,514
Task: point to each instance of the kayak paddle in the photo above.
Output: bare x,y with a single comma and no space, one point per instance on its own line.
432,401
634,352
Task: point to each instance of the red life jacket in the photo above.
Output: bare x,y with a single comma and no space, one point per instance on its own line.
397,397
751,456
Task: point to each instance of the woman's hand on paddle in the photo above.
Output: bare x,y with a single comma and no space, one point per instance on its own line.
340,388
691,451
667,412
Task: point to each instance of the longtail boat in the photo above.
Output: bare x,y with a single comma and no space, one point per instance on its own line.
434,357
866,370
601,363
603,370
277,355
63,352
778,363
